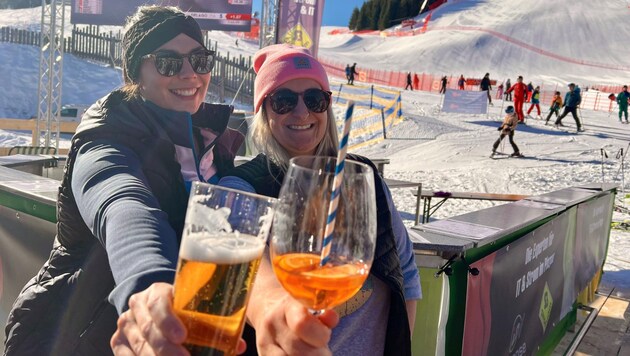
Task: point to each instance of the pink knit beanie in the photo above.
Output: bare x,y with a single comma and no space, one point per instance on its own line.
277,64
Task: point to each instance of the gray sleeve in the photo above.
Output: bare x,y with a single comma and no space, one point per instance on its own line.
411,277
116,203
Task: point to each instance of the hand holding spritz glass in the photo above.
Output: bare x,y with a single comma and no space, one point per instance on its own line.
299,227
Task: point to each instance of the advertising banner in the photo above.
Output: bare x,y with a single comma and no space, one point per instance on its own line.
591,239
299,23
465,102
516,299
221,15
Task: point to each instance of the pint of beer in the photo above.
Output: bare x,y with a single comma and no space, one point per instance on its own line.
224,237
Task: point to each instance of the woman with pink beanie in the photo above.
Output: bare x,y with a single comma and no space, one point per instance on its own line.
292,102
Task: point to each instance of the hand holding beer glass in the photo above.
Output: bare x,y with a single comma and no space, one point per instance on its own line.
224,237
298,232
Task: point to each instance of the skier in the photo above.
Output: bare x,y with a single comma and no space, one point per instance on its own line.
571,102
499,91
507,129
530,91
348,73
443,82
409,81
508,96
622,101
519,96
486,86
416,81
556,104
535,101
353,71
460,82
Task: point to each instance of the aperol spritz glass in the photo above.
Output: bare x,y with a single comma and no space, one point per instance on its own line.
298,231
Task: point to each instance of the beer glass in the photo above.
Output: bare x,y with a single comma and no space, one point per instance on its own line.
298,232
225,233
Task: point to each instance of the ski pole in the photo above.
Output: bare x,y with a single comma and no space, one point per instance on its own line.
623,183
603,153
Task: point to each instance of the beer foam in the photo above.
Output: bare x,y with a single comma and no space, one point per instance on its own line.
211,219
223,248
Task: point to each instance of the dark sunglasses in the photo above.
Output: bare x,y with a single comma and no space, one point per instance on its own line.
169,64
285,100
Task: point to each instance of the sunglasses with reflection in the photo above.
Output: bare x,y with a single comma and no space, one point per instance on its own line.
284,100
169,63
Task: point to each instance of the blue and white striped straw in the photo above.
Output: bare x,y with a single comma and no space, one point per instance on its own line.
337,179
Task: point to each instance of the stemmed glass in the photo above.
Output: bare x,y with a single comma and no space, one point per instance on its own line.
298,232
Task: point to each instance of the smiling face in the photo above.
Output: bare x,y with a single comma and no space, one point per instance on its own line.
186,90
299,131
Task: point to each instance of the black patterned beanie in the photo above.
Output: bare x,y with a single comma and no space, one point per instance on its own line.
148,29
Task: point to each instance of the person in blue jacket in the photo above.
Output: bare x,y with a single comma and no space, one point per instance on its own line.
294,117
572,100
123,196
623,98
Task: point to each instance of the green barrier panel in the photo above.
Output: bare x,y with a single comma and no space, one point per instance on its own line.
425,334
579,214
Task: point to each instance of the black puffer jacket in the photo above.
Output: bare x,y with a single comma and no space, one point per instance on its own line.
64,310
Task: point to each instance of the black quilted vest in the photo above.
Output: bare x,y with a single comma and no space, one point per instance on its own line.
64,309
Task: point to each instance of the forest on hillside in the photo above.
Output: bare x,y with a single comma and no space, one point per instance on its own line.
382,14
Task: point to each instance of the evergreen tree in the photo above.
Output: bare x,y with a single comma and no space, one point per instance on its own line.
375,13
414,8
354,19
382,14
363,21
399,13
386,15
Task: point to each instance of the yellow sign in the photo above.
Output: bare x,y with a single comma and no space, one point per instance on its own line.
298,36
546,304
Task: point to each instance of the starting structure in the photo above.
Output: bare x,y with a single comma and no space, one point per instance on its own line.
50,73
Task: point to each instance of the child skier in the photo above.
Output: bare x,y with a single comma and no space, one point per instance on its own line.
507,129
556,104
535,99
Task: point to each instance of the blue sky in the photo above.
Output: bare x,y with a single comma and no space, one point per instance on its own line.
336,12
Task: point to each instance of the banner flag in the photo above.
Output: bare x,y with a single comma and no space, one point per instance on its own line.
229,15
517,297
300,22
465,102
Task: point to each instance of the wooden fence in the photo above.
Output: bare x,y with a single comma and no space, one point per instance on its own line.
229,73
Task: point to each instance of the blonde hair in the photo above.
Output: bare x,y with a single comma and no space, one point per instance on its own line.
266,143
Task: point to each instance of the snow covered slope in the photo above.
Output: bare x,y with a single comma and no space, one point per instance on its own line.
559,40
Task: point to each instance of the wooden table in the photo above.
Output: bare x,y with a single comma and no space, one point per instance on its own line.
380,164
395,183
427,195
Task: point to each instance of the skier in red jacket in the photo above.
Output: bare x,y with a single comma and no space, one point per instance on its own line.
519,97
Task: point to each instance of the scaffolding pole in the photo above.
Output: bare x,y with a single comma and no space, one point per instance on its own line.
50,73
269,23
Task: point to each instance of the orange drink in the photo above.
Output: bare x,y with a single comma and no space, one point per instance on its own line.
319,287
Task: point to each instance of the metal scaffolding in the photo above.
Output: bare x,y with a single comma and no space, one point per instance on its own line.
268,23
50,73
